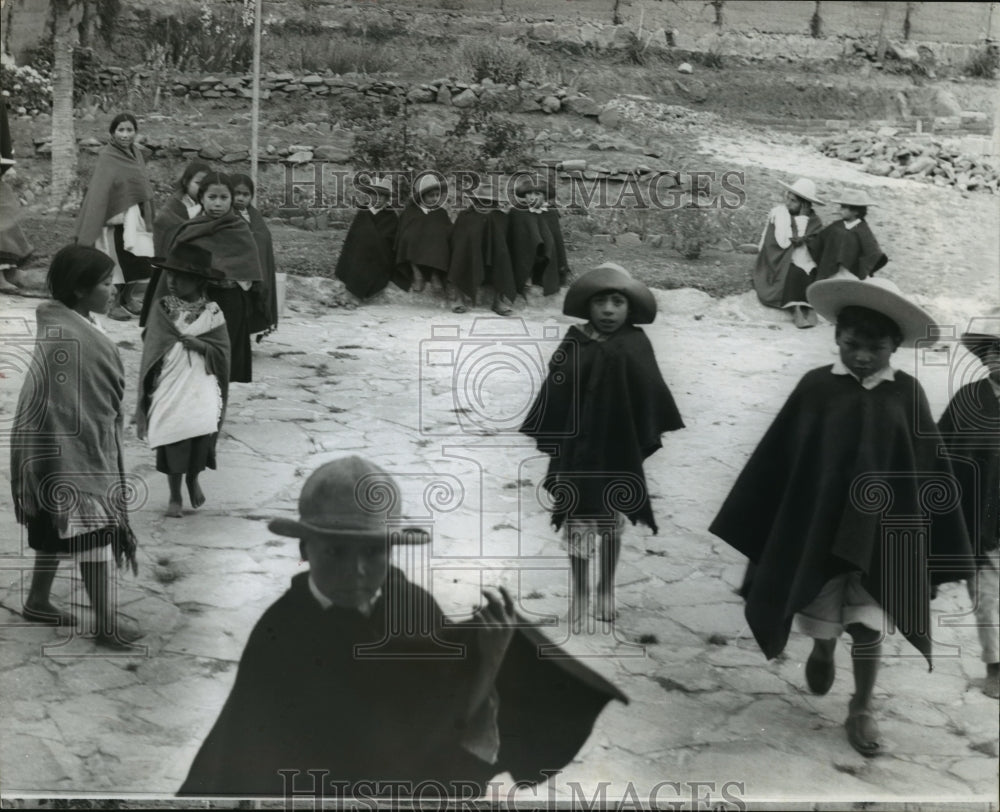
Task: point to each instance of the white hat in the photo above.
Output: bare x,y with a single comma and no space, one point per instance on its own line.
855,198
425,183
830,296
804,188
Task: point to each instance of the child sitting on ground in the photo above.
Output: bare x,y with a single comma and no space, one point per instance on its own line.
422,240
184,375
806,508
970,428
368,256
600,414
847,245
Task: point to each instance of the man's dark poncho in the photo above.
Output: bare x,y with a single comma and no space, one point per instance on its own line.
331,690
600,413
368,256
839,483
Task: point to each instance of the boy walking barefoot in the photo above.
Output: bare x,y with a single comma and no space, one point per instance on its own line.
970,428
600,414
805,509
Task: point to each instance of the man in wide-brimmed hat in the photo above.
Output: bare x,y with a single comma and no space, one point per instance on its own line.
848,245
355,674
970,427
784,264
853,446
368,256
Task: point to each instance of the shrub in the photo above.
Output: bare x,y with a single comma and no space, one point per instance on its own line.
983,64
506,63
693,228
24,86
217,37
503,144
86,68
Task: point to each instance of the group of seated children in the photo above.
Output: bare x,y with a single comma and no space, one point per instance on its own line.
485,246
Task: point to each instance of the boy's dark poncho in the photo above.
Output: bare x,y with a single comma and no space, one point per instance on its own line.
306,698
600,413
422,240
970,428
806,506
368,257
534,252
855,248
479,253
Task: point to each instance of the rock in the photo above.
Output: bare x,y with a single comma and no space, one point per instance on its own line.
887,132
332,153
467,98
881,168
444,95
419,95
922,163
310,80
628,238
300,157
685,67
610,117
747,248
550,104
656,241
236,156
582,105
211,94
945,103
903,51
725,244
212,152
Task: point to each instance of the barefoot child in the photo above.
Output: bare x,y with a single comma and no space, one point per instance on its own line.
970,427
534,253
479,255
67,477
368,255
846,452
422,240
600,414
847,245
184,375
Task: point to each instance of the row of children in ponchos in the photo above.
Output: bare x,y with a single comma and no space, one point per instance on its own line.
508,251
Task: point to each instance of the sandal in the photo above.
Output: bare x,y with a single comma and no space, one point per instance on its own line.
820,674
862,733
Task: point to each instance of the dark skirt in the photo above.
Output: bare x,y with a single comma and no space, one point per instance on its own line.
189,457
134,269
43,537
236,307
797,282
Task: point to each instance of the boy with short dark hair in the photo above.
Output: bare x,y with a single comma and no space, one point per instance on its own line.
600,414
843,454
970,428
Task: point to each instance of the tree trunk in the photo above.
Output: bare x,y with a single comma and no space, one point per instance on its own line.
63,126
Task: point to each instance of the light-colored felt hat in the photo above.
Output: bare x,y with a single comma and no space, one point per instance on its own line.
350,499
426,183
804,188
609,276
856,198
830,296
382,185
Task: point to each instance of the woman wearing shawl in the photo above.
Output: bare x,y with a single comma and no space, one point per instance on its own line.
67,477
180,208
228,238
264,317
14,246
117,211
784,264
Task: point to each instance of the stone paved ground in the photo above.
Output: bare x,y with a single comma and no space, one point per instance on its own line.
432,395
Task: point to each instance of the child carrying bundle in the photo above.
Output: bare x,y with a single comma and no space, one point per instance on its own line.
184,375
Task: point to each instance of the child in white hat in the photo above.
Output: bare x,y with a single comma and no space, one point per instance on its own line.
853,447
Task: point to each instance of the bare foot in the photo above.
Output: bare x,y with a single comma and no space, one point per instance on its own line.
48,614
118,635
195,493
175,510
604,608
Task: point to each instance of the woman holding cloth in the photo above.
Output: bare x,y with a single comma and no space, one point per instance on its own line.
117,213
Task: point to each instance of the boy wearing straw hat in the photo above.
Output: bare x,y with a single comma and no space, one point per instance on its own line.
784,264
600,414
970,427
847,245
354,682
843,455
422,240
368,257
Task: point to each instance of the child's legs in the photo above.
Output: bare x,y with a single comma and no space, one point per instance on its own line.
984,589
866,653
611,545
42,577
174,482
